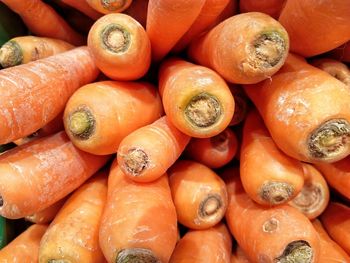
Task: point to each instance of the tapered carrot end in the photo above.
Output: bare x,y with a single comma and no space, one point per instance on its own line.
131,255
10,54
115,38
297,251
81,123
276,192
134,162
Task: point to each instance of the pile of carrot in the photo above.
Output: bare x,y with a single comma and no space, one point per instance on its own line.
181,131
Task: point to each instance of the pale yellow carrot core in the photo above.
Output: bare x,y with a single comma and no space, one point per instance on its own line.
136,255
135,161
310,198
210,207
295,252
10,54
276,192
81,123
115,38
113,5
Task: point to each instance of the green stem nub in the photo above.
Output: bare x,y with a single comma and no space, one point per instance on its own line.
136,255
10,54
135,161
115,38
210,206
276,192
113,5
296,252
81,123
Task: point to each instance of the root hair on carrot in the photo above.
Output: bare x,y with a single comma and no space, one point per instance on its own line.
115,38
276,192
296,251
81,123
10,54
136,255
135,161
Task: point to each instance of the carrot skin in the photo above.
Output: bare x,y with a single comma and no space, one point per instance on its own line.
238,256
83,7
270,7
138,10
108,6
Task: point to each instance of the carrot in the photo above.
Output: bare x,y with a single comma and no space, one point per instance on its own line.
199,194
308,118
83,7
230,10
168,21
238,256
268,175
207,16
270,7
335,68
208,245
109,6
275,234
42,20
45,171
99,115
196,99
33,94
120,46
341,53
25,247
315,27
139,220
336,220
215,151
314,196
242,53
330,251
138,11
73,235
241,105
146,154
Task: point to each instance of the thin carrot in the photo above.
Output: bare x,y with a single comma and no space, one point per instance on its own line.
120,46
168,21
83,7
147,153
37,174
109,6
330,252
309,117
269,176
314,196
215,151
276,234
336,220
196,99
238,256
138,11
341,53
139,220
244,49
42,20
315,27
199,194
25,248
73,235
33,94
241,105
270,7
99,115
208,245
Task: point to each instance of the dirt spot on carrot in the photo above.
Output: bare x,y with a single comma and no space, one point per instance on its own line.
310,198
296,252
81,123
135,161
276,192
270,225
115,38
136,255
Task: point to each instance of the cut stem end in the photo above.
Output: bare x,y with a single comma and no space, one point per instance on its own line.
10,54
81,123
135,161
276,192
113,5
210,207
115,38
296,251
310,198
136,255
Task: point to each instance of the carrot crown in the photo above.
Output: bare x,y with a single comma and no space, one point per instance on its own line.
10,54
136,255
296,251
135,161
113,5
115,38
81,123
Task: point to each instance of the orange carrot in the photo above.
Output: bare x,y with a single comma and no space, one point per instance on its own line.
230,10
315,27
270,7
109,6
33,94
138,11
168,21
99,115
238,256
330,252
336,220
25,247
309,117
45,171
83,7
241,105
244,49
341,53
120,46
208,245
139,220
314,196
198,193
73,235
42,20
215,151
196,99
147,153
276,234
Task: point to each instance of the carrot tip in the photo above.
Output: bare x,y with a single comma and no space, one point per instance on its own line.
203,110
310,199
211,207
330,141
296,251
135,161
81,123
115,38
276,192
134,255
10,54
113,5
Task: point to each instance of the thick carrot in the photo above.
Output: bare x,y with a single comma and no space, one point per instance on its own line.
199,194
270,7
208,245
83,7
147,153
276,234
73,235
139,220
138,10
215,151
99,115
168,21
196,99
336,220
33,94
335,68
241,105
314,26
109,6
45,171
330,252
25,248
120,46
42,20
244,49
341,53
239,256
314,196
269,176
308,117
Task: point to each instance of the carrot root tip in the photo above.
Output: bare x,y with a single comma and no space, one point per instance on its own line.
115,38
296,251
81,123
276,192
203,110
310,199
134,255
135,161
10,54
113,5
270,225
210,207
330,141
